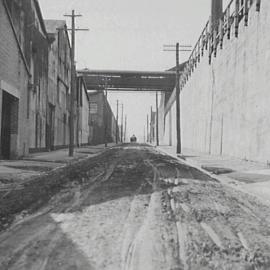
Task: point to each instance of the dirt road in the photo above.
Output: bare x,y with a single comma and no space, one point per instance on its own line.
132,208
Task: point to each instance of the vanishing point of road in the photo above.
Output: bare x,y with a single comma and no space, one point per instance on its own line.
134,208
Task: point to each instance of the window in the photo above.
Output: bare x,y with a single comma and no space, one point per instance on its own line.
93,108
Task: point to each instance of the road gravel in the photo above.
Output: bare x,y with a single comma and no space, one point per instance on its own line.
133,208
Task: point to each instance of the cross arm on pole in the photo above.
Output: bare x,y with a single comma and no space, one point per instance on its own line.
170,50
79,29
73,15
181,46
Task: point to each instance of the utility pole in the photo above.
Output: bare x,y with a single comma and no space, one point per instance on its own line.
157,135
125,133
144,134
178,48
147,128
178,117
117,127
106,115
122,122
73,80
151,125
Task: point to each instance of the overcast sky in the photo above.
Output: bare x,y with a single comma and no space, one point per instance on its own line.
129,35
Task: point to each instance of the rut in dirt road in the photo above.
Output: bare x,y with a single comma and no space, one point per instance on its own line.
133,208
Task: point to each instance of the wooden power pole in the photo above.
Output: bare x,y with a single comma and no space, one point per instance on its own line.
178,117
122,121
144,134
125,132
117,126
151,129
105,117
73,80
147,128
157,134
178,48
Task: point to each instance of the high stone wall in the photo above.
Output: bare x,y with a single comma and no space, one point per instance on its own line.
225,105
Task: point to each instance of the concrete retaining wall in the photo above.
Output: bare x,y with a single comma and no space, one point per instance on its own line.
225,106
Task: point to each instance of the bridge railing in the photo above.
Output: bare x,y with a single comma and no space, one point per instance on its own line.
212,37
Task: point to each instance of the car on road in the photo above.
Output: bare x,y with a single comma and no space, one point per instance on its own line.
133,138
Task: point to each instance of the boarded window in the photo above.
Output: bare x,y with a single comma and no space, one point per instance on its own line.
93,108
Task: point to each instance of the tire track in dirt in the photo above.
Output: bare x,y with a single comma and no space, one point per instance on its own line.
83,191
136,216
162,172
134,210
154,244
151,243
211,233
213,236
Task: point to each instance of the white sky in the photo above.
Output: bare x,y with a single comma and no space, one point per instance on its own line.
129,35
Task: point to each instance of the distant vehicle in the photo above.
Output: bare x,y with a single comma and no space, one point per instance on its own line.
133,138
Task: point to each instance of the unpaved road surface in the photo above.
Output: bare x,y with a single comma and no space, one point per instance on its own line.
132,208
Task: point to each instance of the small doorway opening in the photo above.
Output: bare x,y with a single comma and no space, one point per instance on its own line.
50,127
8,123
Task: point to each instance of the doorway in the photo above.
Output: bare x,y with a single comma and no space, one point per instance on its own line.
8,103
50,127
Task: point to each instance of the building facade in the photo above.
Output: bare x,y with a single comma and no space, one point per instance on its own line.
35,83
14,83
36,41
59,80
82,113
26,22
100,115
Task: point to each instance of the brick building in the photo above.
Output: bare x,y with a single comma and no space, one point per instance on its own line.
25,74
82,112
15,76
98,105
36,40
35,82
59,73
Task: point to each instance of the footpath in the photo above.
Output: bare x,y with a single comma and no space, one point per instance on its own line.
29,182
14,172
250,177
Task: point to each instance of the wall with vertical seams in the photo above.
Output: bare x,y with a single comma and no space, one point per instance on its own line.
225,105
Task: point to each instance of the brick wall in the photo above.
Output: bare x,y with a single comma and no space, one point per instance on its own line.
13,72
97,120
59,80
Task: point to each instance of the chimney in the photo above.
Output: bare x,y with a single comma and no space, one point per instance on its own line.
216,12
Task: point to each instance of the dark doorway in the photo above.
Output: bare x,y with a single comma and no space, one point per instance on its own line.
64,129
50,128
6,125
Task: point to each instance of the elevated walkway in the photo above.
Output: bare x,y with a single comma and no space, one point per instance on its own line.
119,80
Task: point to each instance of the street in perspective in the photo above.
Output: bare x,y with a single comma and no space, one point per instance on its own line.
130,155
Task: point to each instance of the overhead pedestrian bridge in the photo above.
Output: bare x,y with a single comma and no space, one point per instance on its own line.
119,80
